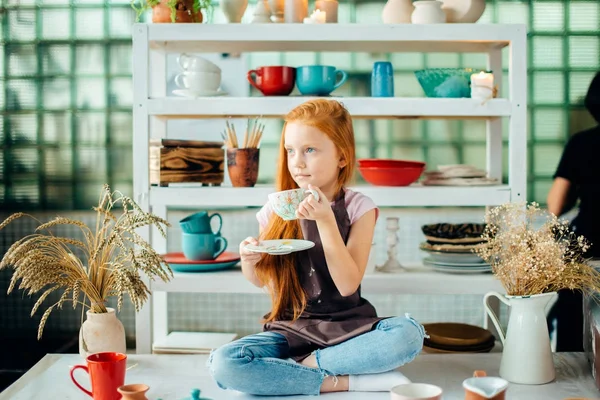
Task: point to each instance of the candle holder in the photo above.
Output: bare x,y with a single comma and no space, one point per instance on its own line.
391,264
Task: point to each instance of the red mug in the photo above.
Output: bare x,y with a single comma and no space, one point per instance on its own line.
273,81
107,373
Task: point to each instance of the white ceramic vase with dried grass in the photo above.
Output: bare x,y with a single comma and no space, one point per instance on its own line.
101,332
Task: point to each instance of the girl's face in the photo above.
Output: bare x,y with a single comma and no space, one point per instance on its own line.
312,157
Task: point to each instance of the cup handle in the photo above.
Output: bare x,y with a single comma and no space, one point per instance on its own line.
182,60
492,314
179,81
223,242
85,368
251,79
314,193
342,79
218,232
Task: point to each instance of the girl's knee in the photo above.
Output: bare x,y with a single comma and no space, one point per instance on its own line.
407,337
223,364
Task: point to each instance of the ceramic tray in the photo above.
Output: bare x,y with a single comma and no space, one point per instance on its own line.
179,263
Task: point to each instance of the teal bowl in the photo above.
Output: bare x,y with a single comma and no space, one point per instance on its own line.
445,82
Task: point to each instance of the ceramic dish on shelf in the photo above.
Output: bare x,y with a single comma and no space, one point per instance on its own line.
457,334
192,94
458,270
451,248
432,261
454,258
179,263
454,231
280,247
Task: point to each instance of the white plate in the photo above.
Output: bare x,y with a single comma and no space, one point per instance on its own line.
455,270
207,93
280,247
433,261
454,258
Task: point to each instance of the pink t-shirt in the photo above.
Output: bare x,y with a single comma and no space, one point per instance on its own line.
357,204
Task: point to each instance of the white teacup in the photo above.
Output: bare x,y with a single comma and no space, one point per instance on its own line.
285,203
199,81
416,391
194,63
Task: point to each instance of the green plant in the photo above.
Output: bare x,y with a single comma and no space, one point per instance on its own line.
141,6
114,255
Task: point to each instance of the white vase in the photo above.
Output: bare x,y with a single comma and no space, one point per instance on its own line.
428,12
234,10
101,332
397,12
262,13
527,355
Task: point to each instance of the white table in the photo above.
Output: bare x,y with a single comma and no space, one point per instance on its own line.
171,377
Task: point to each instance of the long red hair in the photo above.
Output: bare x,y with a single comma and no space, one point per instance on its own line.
278,273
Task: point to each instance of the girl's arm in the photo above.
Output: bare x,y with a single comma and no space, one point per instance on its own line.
249,260
347,262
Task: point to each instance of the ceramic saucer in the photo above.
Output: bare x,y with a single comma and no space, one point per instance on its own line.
204,93
281,247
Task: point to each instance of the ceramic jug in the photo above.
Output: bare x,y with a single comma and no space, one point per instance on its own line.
527,355
397,12
483,387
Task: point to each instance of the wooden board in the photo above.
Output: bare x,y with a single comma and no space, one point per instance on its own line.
185,143
186,164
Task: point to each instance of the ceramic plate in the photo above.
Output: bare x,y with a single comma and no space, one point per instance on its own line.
179,263
454,258
432,261
207,93
280,247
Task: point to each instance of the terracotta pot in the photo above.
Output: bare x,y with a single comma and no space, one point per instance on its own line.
242,165
136,391
161,13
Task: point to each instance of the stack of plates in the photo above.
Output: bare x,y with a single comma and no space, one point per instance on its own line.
450,248
458,175
179,263
457,338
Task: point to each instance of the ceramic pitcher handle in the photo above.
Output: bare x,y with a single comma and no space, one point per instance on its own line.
223,242
314,193
342,79
251,79
492,314
83,367
220,222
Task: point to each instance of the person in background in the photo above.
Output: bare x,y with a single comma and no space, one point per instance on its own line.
578,178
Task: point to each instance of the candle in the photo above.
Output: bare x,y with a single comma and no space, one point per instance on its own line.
482,85
330,7
318,16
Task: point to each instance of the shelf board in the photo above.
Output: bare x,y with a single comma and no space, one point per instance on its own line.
194,196
359,107
371,38
417,280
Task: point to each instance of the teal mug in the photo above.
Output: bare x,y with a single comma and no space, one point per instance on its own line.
202,246
319,80
200,223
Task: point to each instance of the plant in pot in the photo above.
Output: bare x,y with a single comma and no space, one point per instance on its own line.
165,11
533,254
91,268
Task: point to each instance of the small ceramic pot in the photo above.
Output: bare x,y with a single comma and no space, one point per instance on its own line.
428,12
242,165
136,391
161,13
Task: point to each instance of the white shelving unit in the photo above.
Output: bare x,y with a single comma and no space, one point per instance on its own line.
153,107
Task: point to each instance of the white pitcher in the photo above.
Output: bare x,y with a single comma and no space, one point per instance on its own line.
527,355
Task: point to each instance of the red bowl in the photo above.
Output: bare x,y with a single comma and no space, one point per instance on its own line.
391,176
388,163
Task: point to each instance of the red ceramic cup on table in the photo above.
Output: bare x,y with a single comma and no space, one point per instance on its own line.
273,80
107,373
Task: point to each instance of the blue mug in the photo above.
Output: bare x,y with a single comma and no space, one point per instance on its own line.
200,223
319,80
382,79
202,246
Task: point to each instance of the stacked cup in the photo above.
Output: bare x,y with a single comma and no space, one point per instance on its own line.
199,241
200,77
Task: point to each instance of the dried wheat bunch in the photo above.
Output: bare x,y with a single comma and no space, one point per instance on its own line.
114,258
532,251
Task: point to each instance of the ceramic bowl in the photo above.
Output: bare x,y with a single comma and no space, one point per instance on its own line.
454,231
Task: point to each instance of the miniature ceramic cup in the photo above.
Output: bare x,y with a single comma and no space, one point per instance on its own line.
200,223
202,246
135,391
242,166
285,204
483,387
416,391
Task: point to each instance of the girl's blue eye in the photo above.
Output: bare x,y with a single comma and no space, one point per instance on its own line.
289,151
310,150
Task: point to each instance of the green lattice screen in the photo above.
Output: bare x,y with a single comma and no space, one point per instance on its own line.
66,95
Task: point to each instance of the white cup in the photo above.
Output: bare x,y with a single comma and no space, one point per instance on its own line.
199,81
416,391
194,63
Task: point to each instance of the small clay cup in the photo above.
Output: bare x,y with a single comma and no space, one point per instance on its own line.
242,165
136,391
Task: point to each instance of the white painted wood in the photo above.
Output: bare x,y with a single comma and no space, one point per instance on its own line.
160,317
231,38
194,196
359,107
494,126
171,377
417,280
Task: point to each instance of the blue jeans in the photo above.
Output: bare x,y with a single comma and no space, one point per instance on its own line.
260,364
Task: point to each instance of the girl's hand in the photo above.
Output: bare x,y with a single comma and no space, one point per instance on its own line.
246,255
314,210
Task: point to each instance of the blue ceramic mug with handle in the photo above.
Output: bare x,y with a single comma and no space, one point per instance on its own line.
382,79
202,246
319,80
200,223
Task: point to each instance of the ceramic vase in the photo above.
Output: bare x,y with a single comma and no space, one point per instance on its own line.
397,12
101,332
136,391
295,11
277,7
527,355
262,13
428,12
234,10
